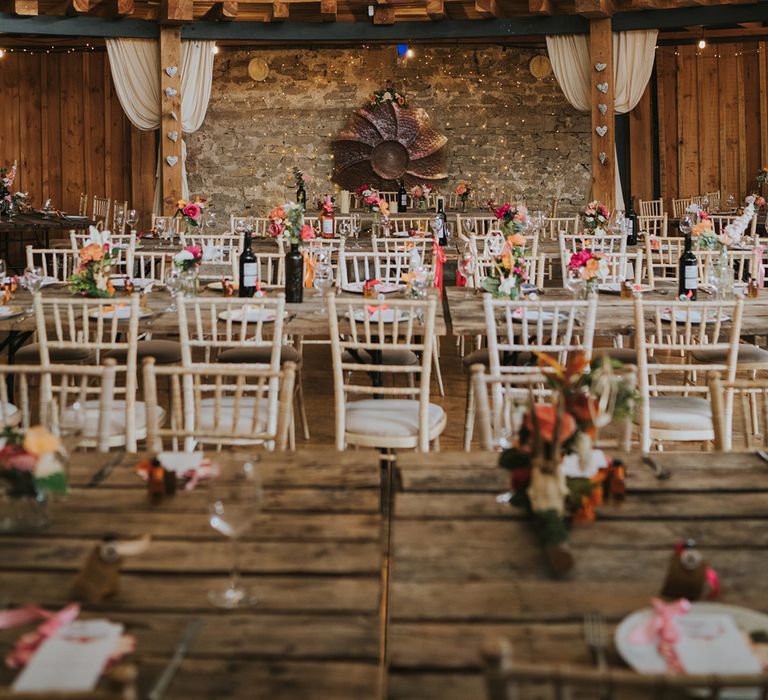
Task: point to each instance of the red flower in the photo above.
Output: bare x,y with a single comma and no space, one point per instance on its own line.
546,417
16,457
580,259
503,210
192,211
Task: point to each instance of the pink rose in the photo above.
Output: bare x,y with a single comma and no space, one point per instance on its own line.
192,211
503,210
196,250
580,259
307,233
275,229
16,457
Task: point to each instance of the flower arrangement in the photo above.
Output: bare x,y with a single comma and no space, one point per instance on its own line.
762,176
590,266
585,398
31,463
91,278
385,95
371,198
188,258
595,217
508,271
513,219
191,212
9,199
288,223
419,195
463,189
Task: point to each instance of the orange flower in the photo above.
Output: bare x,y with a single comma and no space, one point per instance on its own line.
591,268
546,417
702,227
277,213
516,240
39,441
92,252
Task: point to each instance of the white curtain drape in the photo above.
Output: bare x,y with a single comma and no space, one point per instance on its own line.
633,57
135,67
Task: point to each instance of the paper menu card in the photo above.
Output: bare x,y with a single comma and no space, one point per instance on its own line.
72,658
712,643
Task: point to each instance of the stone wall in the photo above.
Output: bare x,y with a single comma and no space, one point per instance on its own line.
507,132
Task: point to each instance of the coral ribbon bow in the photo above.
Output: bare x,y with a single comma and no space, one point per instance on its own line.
309,270
27,644
758,252
440,258
661,627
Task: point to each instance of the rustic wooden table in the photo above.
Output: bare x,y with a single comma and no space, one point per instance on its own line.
314,559
615,316
464,568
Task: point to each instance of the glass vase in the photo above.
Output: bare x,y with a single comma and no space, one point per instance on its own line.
294,275
189,282
27,513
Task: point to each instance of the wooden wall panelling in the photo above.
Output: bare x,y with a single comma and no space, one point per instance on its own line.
666,81
728,104
752,104
72,131
741,124
687,121
708,123
763,100
9,88
30,129
640,147
51,123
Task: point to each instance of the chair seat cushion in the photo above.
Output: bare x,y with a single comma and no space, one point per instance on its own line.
10,416
680,413
116,426
165,352
389,417
30,354
404,358
481,357
248,405
747,354
259,355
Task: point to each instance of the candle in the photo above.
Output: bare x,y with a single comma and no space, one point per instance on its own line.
345,201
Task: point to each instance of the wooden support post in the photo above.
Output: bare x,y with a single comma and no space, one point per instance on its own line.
170,57
384,14
603,137
487,8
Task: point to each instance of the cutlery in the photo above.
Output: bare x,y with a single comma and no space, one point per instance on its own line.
105,470
162,683
596,638
661,473
763,455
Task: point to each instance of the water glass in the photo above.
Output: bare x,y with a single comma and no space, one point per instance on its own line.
323,280
209,219
160,226
173,285
686,225
574,283
469,225
132,218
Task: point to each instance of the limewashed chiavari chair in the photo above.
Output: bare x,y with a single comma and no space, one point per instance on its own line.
651,207
82,207
675,407
749,413
554,226
271,269
421,225
653,225
720,221
100,209
662,258
119,210
221,405
680,205
56,263
604,243
222,247
357,267
385,417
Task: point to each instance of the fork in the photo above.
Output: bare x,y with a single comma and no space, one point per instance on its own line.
596,638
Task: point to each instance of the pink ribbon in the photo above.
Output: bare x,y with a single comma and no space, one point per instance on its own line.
661,627
27,644
758,251
440,258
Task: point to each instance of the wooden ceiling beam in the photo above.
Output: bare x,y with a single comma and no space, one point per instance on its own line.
595,9
121,8
175,11
384,14
540,7
487,8
24,8
280,12
435,9
224,10
328,10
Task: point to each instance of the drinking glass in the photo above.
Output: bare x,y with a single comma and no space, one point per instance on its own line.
173,285
538,220
160,226
3,271
119,221
685,225
33,281
574,283
467,263
323,280
132,218
469,225
234,500
617,226
731,203
209,219
357,225
240,225
344,229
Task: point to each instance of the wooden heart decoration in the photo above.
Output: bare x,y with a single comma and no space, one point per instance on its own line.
601,130
171,71
603,87
600,67
174,116
602,157
603,108
170,92
173,135
171,160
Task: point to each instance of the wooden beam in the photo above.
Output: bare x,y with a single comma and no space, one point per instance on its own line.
602,91
121,8
487,8
224,10
384,15
328,9
173,11
170,120
540,7
595,8
25,8
280,11
435,9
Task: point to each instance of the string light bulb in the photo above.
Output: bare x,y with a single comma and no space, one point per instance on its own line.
215,49
702,43
2,53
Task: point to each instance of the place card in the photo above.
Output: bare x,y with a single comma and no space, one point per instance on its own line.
72,658
712,643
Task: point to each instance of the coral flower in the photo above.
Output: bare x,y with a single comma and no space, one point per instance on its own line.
546,417
93,252
516,240
307,233
39,441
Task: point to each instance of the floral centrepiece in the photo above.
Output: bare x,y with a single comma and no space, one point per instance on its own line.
591,267
762,176
508,272
191,212
188,258
595,217
585,399
287,221
92,276
512,219
386,95
31,462
9,200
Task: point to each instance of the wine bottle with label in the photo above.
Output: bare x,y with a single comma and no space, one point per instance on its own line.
440,223
327,227
631,223
402,197
249,268
688,272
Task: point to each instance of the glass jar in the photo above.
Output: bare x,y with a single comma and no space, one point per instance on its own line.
189,282
27,513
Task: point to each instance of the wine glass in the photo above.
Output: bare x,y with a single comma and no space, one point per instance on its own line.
344,229
209,219
172,283
617,226
468,224
132,218
234,500
574,283
467,263
3,271
731,202
119,221
160,226
323,280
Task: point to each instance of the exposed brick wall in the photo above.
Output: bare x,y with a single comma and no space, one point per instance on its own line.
507,132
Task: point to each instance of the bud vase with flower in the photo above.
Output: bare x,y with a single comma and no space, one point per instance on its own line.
187,262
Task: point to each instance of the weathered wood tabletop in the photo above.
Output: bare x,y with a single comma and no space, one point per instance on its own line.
314,559
464,568
615,316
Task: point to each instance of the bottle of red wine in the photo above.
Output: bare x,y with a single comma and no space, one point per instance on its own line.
688,272
440,222
631,219
402,197
301,196
249,268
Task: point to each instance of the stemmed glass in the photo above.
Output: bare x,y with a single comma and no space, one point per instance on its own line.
234,500
469,225
467,263
33,281
173,285
574,283
685,225
160,226
323,280
132,218
119,221
209,219
344,229
357,225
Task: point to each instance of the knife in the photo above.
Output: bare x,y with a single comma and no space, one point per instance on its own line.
162,683
105,470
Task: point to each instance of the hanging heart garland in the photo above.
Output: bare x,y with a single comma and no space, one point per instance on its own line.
602,107
174,117
602,156
171,160
600,67
173,136
601,130
170,92
171,71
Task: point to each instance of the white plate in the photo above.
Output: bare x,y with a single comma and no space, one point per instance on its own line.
121,312
693,316
251,315
382,288
138,282
517,314
645,658
387,316
216,287
180,462
615,288
9,311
